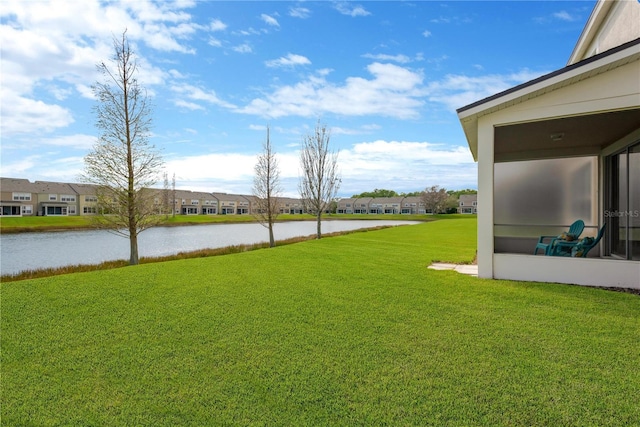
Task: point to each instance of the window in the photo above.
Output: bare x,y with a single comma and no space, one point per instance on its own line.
90,199
53,197
474,203
10,210
55,210
27,209
194,201
71,210
89,210
22,196
622,213
67,198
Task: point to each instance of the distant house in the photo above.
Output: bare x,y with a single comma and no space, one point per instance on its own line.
345,206
468,204
289,205
563,147
55,198
87,198
413,205
17,197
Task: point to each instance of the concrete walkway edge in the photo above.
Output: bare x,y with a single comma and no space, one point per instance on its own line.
470,269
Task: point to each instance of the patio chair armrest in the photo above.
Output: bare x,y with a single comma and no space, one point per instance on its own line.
541,239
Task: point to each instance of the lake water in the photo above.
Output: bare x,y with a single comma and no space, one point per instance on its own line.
32,251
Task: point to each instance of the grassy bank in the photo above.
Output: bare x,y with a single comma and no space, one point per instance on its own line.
350,330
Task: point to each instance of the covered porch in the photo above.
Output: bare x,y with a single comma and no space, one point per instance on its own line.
563,147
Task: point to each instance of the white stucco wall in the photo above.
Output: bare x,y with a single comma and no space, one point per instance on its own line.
621,25
612,23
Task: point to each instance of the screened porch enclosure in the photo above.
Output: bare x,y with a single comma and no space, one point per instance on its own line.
549,173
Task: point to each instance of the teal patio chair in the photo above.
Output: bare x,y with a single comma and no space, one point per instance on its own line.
577,248
575,230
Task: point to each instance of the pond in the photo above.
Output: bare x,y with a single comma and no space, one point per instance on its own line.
32,251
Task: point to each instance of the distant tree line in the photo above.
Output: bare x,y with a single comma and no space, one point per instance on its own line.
381,192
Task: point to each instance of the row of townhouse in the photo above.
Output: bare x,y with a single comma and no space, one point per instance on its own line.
467,204
20,197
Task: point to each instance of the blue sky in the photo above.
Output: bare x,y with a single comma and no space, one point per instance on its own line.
384,76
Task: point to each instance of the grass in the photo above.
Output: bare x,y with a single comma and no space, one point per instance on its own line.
349,330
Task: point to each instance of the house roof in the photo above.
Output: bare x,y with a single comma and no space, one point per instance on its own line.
597,64
44,187
16,185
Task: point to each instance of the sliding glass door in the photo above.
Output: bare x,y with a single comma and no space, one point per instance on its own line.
623,210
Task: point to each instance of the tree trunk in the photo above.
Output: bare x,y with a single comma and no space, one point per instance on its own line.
319,225
133,244
272,241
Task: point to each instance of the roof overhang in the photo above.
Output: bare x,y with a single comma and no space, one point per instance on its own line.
611,59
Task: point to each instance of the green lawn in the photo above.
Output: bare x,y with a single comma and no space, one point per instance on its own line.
346,331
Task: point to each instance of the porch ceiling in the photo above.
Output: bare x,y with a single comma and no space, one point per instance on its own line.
581,135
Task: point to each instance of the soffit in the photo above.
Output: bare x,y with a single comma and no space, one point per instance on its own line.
580,135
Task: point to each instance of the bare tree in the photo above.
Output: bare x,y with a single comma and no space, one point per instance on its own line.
173,196
166,197
122,163
435,199
267,188
320,177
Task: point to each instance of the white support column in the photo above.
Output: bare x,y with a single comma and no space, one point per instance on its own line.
485,198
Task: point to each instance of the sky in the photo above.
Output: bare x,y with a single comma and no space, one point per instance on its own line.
386,78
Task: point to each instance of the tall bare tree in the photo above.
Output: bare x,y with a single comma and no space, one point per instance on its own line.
122,163
267,188
320,179
435,199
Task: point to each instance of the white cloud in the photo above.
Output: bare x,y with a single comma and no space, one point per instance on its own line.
402,59
456,91
188,105
46,47
78,141
299,12
426,33
563,15
24,115
214,42
399,165
350,9
243,48
192,94
269,20
291,60
393,92
217,25
228,167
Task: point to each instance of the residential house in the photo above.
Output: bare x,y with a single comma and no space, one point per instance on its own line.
563,147
87,198
388,205
290,205
413,205
346,205
361,205
468,204
232,204
55,199
16,197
